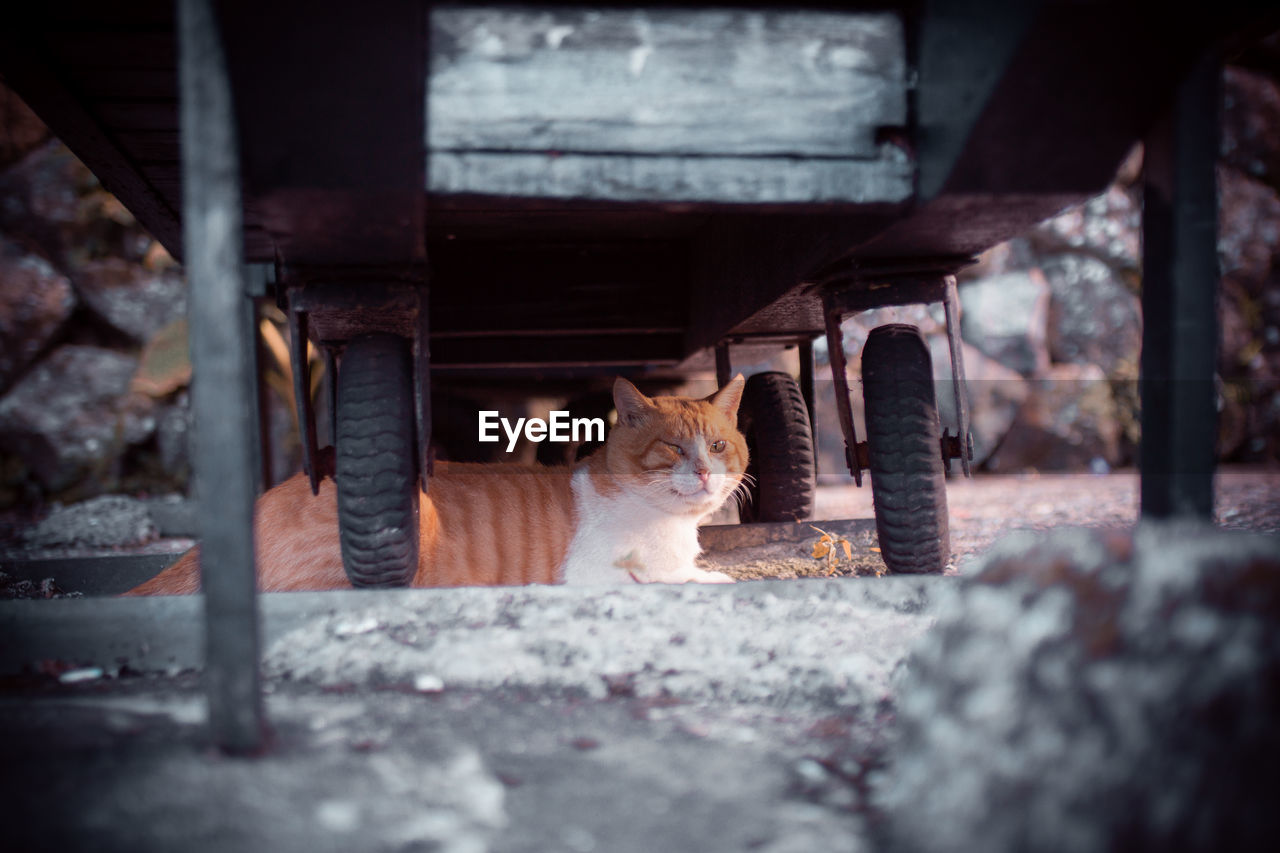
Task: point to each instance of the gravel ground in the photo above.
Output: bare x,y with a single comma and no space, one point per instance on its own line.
987,507
982,511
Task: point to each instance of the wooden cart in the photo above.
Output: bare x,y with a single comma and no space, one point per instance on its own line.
450,195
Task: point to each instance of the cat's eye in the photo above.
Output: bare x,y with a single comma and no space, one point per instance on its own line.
677,448
717,446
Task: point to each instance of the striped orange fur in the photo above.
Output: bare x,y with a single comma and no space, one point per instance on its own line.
488,525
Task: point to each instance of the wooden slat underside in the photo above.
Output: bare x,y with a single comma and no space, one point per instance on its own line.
641,178
666,105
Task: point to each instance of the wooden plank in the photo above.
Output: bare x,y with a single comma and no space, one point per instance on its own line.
150,147
664,81
114,50
123,83
156,115
631,349
625,178
726,537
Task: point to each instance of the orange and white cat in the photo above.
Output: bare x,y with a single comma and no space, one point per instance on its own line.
627,513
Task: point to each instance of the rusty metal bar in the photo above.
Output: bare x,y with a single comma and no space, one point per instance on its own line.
222,389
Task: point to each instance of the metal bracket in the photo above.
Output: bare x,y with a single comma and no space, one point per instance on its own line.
951,305
832,314
336,309
908,285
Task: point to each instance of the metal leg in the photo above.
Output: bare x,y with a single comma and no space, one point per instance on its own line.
807,391
331,392
298,326
951,305
1179,303
723,365
422,388
223,386
844,409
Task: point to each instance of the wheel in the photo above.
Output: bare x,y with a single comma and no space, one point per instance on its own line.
908,485
376,464
775,421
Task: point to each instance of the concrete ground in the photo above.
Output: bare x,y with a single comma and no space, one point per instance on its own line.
647,718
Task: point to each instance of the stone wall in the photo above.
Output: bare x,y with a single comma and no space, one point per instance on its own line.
85,296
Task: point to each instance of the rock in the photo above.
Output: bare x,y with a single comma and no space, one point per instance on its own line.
929,319
109,521
173,436
1109,226
1239,339
1251,124
72,415
52,199
165,364
1094,316
131,298
1248,229
1068,422
1006,317
1094,691
995,395
1013,255
41,195
35,300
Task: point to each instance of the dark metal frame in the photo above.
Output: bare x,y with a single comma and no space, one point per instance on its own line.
1179,301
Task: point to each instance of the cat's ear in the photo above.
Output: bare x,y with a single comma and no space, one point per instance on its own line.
632,406
728,397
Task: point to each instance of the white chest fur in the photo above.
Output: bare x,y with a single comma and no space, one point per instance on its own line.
621,539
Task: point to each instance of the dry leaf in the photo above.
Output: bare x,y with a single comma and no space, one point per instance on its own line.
822,548
848,549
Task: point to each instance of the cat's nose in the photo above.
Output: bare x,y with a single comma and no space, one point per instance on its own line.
704,475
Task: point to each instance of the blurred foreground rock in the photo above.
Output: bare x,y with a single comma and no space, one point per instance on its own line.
1096,691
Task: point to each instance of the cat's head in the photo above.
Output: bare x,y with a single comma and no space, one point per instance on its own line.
682,455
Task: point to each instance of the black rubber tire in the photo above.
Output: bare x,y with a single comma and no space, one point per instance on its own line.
908,483
376,464
775,421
